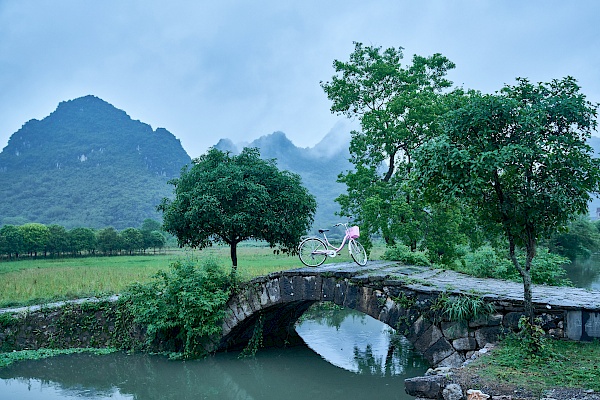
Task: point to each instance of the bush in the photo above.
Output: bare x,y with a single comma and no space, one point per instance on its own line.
486,262
403,254
184,305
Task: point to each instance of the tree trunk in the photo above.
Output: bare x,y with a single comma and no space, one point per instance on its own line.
525,272
233,251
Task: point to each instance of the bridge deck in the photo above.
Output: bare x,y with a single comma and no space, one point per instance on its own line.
427,280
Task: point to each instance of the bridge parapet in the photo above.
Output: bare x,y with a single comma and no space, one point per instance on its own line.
402,297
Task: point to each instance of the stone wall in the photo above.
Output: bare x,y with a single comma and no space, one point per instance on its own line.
88,324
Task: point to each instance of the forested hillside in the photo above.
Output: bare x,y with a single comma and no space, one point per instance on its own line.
319,166
87,164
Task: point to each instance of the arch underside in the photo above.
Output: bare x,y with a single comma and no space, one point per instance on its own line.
274,306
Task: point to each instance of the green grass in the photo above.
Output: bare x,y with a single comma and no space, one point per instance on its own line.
568,364
29,281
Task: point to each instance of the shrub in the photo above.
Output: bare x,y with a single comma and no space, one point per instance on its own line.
486,262
403,254
184,305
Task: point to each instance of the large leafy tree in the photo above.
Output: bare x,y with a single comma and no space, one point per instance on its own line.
11,240
519,157
225,198
35,236
397,107
58,240
81,239
107,240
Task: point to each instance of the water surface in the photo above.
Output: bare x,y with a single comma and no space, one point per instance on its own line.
356,361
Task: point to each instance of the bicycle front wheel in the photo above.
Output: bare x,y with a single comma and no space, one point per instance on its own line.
312,252
358,253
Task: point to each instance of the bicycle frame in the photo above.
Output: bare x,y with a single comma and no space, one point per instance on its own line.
330,246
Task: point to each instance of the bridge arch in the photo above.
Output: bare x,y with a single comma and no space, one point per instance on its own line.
402,297
274,303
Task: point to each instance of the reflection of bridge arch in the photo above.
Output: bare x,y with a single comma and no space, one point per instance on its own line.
401,297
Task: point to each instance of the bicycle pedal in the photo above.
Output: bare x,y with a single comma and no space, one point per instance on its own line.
331,253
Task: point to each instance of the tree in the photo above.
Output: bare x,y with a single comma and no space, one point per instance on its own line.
107,240
12,240
520,159
58,241
580,239
132,239
35,237
225,198
397,107
81,239
150,225
156,240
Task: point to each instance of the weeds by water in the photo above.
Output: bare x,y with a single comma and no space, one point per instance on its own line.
8,358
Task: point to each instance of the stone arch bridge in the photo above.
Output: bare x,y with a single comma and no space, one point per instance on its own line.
405,298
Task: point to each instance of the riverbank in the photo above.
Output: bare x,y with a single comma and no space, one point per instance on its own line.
568,370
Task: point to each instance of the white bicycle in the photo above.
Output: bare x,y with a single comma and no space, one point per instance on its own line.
313,251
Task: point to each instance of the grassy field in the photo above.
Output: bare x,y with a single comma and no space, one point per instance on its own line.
28,281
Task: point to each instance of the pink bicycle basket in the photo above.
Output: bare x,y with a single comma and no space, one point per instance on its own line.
353,232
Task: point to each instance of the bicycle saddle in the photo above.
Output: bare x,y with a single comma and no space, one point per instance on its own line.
323,230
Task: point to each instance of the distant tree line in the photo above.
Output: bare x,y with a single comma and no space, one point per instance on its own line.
35,239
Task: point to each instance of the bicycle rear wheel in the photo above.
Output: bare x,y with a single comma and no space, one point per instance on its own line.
358,253
312,252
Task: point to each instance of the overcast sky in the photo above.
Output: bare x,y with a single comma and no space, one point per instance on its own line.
206,70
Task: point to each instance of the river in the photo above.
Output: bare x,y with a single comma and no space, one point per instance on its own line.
348,356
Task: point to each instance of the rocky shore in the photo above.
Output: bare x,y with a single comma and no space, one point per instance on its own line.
466,383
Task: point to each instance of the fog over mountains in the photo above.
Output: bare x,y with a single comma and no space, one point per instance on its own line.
88,164
319,166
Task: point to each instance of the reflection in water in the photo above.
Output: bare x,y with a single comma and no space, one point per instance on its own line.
292,373
585,273
358,343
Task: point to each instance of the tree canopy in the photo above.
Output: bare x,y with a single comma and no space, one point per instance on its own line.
397,107
225,198
519,158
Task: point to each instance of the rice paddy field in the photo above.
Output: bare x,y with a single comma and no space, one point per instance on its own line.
34,281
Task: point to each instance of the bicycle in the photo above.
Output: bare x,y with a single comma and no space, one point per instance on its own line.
313,251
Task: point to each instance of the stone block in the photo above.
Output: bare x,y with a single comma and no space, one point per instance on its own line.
386,313
352,294
487,335
428,387
311,288
455,330
428,338
363,299
464,344
273,291
417,329
287,288
264,295
583,325
339,295
511,320
454,360
452,392
488,320
328,287
439,351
